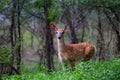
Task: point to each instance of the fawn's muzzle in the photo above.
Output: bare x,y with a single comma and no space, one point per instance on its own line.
59,37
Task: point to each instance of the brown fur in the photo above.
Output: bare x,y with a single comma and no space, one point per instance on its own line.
75,52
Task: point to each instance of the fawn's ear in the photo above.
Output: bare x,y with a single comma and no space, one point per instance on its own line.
53,27
66,27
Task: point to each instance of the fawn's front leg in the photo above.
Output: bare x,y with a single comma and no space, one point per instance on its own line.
62,62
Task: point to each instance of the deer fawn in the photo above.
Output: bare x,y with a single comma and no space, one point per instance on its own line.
71,52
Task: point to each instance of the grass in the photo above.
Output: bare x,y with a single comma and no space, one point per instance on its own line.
107,70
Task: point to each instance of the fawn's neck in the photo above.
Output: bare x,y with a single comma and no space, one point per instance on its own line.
61,45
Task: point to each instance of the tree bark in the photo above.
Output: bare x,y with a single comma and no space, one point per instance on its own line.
49,49
115,30
83,32
68,17
114,21
12,32
19,36
100,40
72,29
72,33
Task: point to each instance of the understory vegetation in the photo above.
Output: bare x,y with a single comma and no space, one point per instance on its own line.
98,70
29,47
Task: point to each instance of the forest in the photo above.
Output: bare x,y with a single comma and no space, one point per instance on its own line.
29,47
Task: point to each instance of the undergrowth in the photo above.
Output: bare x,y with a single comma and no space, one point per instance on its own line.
104,70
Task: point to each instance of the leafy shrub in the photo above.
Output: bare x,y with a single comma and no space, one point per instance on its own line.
5,54
107,70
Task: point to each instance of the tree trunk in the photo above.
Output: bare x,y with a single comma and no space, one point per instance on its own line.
73,34
100,40
114,29
72,29
12,30
83,31
68,17
19,37
49,49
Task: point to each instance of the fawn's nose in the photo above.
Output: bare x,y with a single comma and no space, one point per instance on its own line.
59,37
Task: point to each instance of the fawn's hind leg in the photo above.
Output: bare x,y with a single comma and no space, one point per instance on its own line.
72,63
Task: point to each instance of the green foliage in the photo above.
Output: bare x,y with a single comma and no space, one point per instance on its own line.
99,3
5,54
108,70
112,3
4,3
31,67
54,11
53,7
36,4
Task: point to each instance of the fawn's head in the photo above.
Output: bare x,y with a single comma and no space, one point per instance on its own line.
59,32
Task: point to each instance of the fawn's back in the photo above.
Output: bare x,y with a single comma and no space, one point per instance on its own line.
80,51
